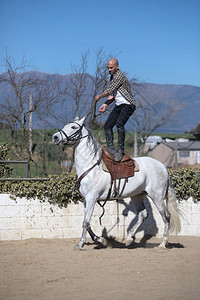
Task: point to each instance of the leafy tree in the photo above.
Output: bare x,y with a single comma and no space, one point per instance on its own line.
196,131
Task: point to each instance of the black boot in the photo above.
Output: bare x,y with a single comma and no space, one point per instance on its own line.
121,139
109,141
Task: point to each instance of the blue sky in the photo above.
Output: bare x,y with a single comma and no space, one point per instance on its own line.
156,41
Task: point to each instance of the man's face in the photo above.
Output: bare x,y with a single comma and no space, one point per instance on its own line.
112,67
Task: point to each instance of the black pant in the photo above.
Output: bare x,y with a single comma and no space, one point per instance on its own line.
119,116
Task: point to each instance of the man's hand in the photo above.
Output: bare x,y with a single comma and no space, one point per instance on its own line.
97,98
103,108
102,95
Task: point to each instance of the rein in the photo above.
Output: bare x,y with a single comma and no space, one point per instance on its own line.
78,182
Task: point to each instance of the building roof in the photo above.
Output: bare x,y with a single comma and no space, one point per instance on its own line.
190,145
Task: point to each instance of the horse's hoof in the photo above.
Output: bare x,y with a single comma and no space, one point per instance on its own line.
163,245
129,242
103,241
78,248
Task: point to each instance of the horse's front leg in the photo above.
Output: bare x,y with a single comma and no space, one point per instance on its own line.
89,204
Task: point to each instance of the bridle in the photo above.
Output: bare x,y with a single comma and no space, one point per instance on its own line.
74,136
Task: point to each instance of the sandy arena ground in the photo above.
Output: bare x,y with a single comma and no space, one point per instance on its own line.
51,269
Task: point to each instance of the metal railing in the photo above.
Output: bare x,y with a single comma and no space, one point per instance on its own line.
26,162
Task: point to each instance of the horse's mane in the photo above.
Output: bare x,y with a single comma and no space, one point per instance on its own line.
97,147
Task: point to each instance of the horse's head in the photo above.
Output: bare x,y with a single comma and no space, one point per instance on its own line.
70,133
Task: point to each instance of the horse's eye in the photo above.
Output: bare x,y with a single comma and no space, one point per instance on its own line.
73,127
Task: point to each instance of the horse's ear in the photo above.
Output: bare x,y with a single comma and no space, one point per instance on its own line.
76,119
82,120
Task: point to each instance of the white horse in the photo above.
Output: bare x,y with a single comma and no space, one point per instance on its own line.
152,181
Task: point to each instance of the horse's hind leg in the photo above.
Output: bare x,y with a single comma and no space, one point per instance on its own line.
166,219
138,202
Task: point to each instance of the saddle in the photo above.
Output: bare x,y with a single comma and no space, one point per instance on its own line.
118,170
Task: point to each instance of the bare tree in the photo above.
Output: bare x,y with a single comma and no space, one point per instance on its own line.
74,91
99,81
153,111
47,94
80,89
15,109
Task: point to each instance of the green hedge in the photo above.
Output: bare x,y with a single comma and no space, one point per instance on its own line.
62,188
186,182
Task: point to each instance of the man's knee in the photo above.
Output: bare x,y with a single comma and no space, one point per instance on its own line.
120,125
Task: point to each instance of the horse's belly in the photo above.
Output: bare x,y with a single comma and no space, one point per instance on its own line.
125,188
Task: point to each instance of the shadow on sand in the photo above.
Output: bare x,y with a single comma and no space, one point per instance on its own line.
149,227
144,243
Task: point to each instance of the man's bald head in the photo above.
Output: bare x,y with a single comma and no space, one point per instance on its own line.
113,65
114,61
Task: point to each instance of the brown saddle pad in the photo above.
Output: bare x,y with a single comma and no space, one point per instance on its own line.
118,170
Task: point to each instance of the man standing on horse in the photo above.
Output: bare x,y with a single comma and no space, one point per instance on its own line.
119,91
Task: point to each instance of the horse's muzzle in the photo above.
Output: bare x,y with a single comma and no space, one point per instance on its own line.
55,139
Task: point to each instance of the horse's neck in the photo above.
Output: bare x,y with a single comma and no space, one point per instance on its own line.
84,156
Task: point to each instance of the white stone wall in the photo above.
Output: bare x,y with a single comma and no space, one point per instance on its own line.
22,219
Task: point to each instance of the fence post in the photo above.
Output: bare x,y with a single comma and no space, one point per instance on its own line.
176,154
27,169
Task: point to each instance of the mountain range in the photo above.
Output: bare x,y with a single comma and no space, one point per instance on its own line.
189,116
184,121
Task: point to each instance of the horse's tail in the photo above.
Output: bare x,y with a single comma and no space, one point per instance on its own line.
174,209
